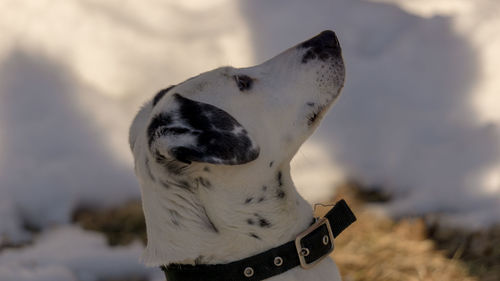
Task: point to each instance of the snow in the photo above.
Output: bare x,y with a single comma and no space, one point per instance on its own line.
315,173
70,253
72,75
408,119
53,152
419,114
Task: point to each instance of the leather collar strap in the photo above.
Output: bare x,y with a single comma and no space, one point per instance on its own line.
306,250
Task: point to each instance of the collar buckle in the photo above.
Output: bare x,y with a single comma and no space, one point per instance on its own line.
304,252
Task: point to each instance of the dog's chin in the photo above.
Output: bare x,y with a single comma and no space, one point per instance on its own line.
325,101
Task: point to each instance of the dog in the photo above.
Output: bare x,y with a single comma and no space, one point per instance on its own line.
212,156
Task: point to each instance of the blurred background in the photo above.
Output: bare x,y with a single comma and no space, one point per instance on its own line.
413,142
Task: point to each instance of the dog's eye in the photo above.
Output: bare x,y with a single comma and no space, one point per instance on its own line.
243,82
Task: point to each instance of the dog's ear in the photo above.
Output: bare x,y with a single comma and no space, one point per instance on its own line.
198,132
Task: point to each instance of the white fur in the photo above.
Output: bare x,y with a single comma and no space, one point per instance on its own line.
275,113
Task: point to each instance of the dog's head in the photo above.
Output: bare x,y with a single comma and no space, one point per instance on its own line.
233,116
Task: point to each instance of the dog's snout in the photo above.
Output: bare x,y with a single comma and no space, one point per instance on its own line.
326,39
323,46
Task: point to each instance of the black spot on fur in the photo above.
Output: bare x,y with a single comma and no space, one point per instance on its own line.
264,223
248,200
243,82
206,169
254,235
264,188
310,103
314,115
279,177
312,118
280,194
261,199
160,95
250,221
271,163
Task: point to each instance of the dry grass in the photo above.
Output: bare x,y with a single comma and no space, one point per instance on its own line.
479,249
372,249
380,249
120,225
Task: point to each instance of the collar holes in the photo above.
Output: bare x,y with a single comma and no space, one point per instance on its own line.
248,272
278,261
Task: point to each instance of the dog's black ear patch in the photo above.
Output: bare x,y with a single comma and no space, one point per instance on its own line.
208,135
220,139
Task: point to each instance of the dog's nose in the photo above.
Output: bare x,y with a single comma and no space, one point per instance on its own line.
323,46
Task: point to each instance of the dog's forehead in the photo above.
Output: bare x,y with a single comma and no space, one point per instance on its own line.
216,89
208,87
213,78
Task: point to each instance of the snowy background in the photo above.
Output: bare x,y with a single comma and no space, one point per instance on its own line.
419,115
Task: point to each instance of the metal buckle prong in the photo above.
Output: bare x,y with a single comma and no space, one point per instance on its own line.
298,244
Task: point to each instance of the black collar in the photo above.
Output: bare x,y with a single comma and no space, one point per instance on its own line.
309,248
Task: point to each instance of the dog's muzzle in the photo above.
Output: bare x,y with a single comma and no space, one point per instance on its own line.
307,250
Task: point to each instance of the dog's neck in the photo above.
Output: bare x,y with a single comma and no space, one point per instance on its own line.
215,217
